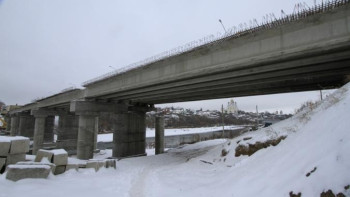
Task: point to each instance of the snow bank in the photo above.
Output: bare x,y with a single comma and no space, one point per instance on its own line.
12,138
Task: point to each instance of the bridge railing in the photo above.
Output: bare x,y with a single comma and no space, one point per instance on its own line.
268,22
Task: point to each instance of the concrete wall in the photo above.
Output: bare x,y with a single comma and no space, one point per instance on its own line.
177,140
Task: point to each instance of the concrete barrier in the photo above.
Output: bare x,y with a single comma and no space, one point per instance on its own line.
174,141
18,172
59,157
97,164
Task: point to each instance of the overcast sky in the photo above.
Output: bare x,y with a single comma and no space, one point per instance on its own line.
47,46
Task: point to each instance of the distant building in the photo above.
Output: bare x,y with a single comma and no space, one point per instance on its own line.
232,107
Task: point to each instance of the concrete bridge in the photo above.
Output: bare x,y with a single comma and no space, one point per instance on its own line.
309,50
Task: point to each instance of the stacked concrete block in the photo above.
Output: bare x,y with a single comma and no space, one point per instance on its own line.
18,172
23,170
59,157
12,150
43,162
97,164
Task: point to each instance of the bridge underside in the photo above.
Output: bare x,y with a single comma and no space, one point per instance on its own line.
312,70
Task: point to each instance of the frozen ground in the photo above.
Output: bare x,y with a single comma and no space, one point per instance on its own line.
318,140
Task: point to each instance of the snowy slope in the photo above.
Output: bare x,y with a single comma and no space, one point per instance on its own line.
316,138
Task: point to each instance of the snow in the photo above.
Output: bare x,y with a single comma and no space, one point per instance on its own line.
316,138
22,166
150,132
58,151
12,138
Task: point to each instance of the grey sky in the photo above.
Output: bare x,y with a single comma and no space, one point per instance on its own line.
47,46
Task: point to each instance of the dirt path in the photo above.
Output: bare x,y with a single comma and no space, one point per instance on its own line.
138,188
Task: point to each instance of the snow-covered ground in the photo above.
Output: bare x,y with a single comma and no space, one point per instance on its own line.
170,132
317,142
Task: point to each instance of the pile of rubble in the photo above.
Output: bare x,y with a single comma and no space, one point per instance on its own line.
13,160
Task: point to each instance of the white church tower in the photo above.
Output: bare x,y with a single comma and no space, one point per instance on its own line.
232,107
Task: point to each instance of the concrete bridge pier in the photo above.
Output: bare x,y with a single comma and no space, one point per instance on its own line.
67,132
86,135
129,137
159,137
88,111
39,130
26,125
49,126
44,123
129,127
96,132
14,124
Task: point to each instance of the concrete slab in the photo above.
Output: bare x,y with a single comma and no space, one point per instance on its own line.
12,159
60,157
96,164
59,170
43,153
52,166
57,156
4,148
18,172
72,166
19,145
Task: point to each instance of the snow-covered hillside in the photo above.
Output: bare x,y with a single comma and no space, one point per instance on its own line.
313,158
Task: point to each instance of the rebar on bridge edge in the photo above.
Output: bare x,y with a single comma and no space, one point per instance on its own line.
233,32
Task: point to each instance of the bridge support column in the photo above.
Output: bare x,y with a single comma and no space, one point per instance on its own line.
86,135
49,126
14,124
96,132
8,123
159,137
39,131
67,133
129,127
129,137
43,129
26,125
